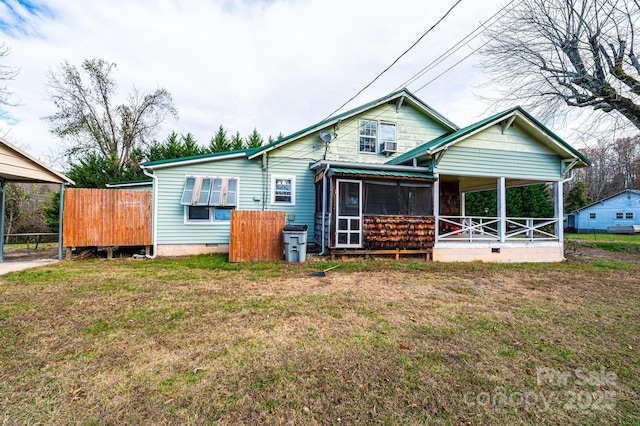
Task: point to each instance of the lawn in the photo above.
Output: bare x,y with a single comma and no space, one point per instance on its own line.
199,341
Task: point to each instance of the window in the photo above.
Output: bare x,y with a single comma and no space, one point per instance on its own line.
393,198
283,190
592,215
619,215
209,199
368,136
628,215
388,137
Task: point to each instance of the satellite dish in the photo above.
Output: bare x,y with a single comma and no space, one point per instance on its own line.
326,136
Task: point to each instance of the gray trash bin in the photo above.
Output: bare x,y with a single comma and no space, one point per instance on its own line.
295,243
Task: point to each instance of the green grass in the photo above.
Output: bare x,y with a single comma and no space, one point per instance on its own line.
197,340
633,238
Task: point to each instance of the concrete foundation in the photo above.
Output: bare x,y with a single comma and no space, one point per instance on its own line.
166,250
499,253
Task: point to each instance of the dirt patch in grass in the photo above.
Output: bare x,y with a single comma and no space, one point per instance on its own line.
200,341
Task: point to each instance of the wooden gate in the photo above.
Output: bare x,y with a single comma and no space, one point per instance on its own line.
106,218
256,235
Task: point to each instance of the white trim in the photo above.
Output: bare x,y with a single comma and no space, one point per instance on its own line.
368,137
195,161
370,166
338,217
275,177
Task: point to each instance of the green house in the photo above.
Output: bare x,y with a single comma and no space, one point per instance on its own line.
388,175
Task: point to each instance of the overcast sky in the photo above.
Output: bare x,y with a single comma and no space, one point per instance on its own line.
277,65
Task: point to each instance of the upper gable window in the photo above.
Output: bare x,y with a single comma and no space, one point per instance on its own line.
377,137
368,136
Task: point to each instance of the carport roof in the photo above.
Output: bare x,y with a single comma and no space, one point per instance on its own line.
18,166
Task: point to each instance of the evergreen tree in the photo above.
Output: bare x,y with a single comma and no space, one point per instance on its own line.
577,197
172,147
254,140
526,201
52,213
220,142
94,171
237,142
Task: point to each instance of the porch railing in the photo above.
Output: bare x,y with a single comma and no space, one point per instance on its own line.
478,228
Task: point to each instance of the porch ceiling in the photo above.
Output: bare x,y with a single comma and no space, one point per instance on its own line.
476,183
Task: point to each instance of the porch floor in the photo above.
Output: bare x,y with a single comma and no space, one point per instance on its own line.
428,252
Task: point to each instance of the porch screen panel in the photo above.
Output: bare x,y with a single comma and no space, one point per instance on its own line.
415,200
381,199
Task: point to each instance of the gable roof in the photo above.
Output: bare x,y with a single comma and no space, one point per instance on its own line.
443,142
617,194
400,94
18,166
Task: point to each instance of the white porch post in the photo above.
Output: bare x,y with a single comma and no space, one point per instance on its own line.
436,206
502,209
463,205
558,209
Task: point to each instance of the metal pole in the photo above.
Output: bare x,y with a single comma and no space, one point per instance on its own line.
3,187
60,221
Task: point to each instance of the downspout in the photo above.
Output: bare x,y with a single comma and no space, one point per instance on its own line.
324,207
3,202
154,215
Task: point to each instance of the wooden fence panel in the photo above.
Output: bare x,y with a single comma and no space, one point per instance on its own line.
256,235
106,217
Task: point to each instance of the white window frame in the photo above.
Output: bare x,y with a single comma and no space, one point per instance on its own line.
629,215
619,215
375,138
381,139
211,220
292,178
592,216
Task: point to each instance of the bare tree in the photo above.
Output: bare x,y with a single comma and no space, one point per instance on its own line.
6,74
87,119
616,166
552,54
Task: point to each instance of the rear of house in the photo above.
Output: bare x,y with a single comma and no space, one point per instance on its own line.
388,175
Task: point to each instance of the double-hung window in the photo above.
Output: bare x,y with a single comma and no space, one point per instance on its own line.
283,190
628,215
377,137
209,199
619,215
368,136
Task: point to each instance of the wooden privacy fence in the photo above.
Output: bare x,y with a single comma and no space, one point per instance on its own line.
106,218
256,235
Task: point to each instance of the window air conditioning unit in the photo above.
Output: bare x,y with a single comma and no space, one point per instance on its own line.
388,147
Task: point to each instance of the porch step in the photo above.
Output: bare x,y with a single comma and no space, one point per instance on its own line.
428,252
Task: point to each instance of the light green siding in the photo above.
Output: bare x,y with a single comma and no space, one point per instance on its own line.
305,202
493,154
413,128
172,228
254,194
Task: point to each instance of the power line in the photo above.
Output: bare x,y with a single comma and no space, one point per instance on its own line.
397,59
482,27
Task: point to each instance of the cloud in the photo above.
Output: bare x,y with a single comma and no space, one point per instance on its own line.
278,65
